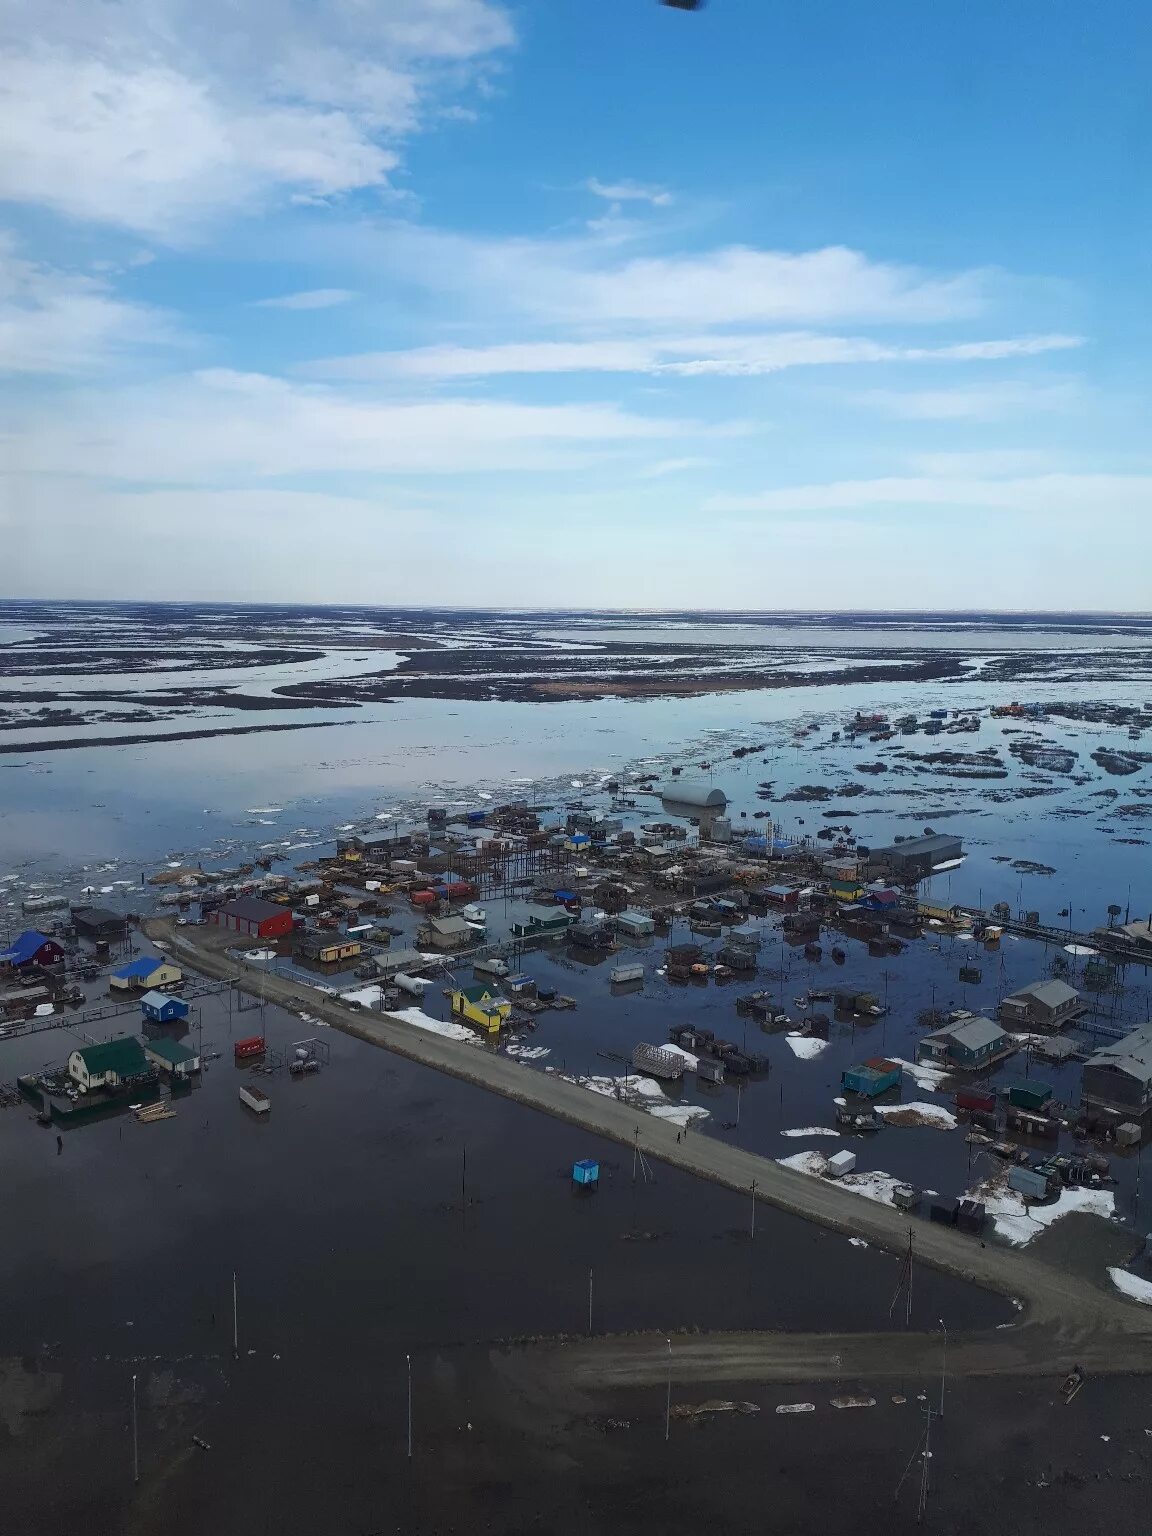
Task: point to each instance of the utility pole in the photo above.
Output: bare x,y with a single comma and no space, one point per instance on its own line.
753,1210
668,1397
922,1506
135,1438
408,1359
943,1365
589,1303
235,1321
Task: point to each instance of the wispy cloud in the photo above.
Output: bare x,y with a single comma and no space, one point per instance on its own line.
628,192
718,354
1089,498
310,298
57,322
981,402
671,467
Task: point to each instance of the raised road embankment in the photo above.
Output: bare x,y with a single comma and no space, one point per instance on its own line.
1068,1318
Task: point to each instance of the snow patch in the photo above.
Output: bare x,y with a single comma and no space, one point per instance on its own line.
1020,1223
873,1185
927,1078
648,1092
811,1130
807,1047
935,1115
1131,1285
421,1020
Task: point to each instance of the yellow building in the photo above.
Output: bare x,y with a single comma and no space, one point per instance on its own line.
481,1007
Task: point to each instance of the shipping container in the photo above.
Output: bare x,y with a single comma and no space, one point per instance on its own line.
254,1045
255,1098
1028,1182
623,973
841,1163
975,1102
970,1215
1029,1094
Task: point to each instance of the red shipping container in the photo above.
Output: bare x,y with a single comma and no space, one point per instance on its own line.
253,1046
978,1103
424,898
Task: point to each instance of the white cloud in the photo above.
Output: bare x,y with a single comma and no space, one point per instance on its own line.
1086,499
671,467
310,298
717,354
983,402
221,426
55,322
740,285
628,192
156,114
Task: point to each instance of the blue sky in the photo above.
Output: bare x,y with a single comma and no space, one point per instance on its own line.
799,305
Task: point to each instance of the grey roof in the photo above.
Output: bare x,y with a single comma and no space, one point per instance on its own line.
918,847
399,959
973,1034
1050,993
252,909
449,925
537,912
1132,1055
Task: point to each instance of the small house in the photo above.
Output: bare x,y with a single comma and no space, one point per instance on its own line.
481,1006
1118,1077
161,1008
328,948
172,1057
145,974
99,922
393,961
786,897
30,948
254,917
106,1066
969,1045
539,919
872,1077
450,932
636,925
1043,1005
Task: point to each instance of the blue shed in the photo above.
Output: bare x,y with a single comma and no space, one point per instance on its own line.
872,1078
586,1173
160,1008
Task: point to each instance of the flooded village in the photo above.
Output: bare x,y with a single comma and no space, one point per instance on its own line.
726,1029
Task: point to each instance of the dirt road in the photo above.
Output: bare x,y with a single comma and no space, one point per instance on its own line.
1067,1317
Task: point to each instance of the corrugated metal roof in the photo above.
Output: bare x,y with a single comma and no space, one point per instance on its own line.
124,1057
252,909
144,966
1051,993
1132,1055
972,1034
24,947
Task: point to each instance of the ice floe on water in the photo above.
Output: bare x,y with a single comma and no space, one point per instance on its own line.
1131,1285
811,1130
524,1052
263,810
807,1047
927,1078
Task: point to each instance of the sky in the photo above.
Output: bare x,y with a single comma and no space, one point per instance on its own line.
805,304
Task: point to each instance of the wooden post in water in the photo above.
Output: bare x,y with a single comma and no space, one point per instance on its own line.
235,1321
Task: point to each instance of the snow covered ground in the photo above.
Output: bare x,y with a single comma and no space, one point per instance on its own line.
919,1113
421,1020
927,1079
807,1047
367,997
644,1089
1020,1223
812,1130
873,1185
1131,1285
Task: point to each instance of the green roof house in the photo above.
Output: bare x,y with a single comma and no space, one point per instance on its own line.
106,1066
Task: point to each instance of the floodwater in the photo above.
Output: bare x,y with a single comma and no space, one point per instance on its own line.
380,1210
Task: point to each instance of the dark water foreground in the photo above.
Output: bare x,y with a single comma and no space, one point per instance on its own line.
343,1219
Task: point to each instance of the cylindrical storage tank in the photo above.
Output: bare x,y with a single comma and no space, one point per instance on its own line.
699,796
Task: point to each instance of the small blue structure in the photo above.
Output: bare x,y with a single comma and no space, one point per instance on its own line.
872,1078
159,1008
586,1173
520,985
